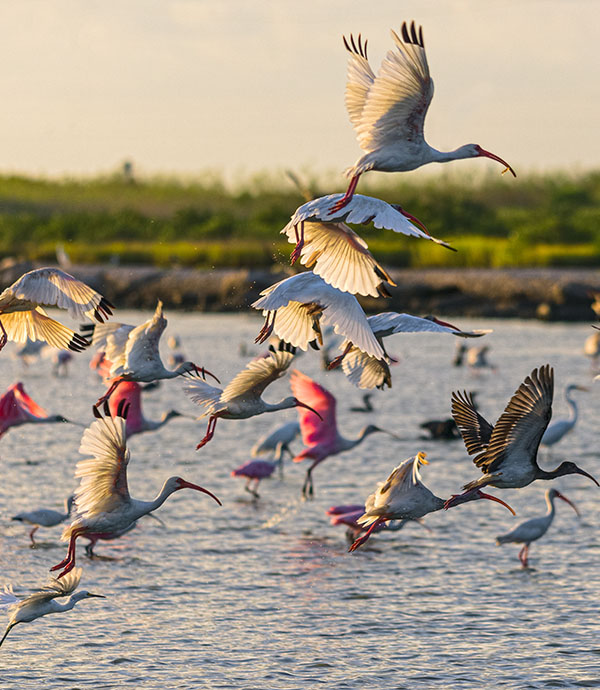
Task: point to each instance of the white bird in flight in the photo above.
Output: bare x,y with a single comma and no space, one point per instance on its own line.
44,601
22,316
388,111
241,398
366,371
295,309
134,354
102,501
336,252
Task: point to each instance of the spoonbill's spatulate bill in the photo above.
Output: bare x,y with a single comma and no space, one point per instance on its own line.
388,110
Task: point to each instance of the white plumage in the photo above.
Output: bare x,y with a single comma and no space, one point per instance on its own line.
560,427
295,309
22,316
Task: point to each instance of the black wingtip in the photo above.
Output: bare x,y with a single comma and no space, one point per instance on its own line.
96,412
106,409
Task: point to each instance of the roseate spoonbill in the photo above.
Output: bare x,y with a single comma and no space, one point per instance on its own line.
507,452
22,316
17,408
277,442
367,405
135,357
533,529
336,252
349,514
366,371
560,427
241,398
131,393
296,307
44,601
321,436
388,110
44,517
102,501
254,471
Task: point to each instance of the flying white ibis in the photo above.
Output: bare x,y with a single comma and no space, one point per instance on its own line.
388,110
134,353
560,427
102,501
507,452
321,436
535,528
336,252
297,307
44,601
242,397
44,517
22,316
366,371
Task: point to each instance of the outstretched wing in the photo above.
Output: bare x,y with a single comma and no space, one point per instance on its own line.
359,80
103,478
399,98
522,424
56,588
320,399
476,431
36,325
258,374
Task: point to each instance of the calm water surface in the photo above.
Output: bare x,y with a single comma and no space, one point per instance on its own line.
265,595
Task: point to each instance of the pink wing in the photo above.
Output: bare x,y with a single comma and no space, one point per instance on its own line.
25,402
314,431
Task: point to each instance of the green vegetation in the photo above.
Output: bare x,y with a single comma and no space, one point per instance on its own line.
551,220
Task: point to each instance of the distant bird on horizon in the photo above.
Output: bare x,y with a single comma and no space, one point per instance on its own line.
507,452
388,110
22,316
44,601
535,528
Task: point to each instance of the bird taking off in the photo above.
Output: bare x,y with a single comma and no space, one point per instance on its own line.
22,316
388,111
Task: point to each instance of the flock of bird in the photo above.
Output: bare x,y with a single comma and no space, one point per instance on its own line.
387,111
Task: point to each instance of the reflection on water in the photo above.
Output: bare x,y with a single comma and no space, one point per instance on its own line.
264,594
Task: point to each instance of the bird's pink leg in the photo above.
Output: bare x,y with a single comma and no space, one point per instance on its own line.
68,563
4,337
361,540
295,255
108,393
339,205
33,531
523,553
210,431
267,329
338,360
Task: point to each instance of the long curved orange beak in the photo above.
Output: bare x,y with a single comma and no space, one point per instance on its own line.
308,407
188,485
480,494
494,157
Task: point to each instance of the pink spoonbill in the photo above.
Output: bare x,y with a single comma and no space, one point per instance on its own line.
255,471
102,501
388,111
535,528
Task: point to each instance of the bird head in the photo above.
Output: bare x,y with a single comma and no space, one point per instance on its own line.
555,492
571,468
475,151
177,483
169,415
576,387
371,429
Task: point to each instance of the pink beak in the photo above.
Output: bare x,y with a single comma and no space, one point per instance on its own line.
494,157
301,404
188,485
566,500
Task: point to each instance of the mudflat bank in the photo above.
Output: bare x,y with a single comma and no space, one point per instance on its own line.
543,293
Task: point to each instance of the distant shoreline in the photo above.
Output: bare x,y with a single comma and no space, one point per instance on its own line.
554,294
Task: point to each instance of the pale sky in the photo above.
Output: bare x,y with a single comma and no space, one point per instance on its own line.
237,86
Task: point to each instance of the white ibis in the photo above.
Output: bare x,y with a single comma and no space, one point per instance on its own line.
560,427
366,371
388,110
336,252
402,496
507,452
135,357
242,397
102,500
535,528
321,436
44,517
22,316
44,601
297,307
277,442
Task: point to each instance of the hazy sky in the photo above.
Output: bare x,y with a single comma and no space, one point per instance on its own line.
244,85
